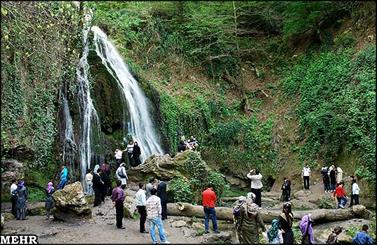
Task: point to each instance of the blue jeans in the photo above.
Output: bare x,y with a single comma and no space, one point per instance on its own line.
210,213
342,201
62,184
152,224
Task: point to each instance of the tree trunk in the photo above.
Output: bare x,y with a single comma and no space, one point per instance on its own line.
224,213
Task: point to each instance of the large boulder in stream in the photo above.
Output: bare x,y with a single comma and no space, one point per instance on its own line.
70,203
164,167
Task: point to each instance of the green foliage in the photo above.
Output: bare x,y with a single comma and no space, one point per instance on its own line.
38,51
181,190
36,194
199,178
337,104
326,203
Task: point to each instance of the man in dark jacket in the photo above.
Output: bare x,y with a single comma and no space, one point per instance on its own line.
161,193
118,198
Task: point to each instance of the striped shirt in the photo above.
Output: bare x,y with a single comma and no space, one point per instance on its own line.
153,207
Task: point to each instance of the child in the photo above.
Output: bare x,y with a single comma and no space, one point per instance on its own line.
333,237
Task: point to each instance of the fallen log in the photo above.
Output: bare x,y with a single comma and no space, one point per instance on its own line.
225,213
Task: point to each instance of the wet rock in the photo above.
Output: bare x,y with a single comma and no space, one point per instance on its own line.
12,169
36,208
70,204
223,237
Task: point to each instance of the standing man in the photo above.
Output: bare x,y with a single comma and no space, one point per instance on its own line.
149,187
140,205
130,150
63,177
161,193
286,190
325,178
13,196
209,199
118,198
305,175
89,182
118,156
154,209
122,175
339,175
332,175
256,185
355,193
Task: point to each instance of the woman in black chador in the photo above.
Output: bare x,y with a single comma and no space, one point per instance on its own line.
136,154
286,222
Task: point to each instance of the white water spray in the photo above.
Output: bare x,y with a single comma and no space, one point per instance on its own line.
140,125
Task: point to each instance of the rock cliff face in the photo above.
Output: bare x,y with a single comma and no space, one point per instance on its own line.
13,169
70,203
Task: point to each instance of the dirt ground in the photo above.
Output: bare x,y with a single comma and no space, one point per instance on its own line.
100,229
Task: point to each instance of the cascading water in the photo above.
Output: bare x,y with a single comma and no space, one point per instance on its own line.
90,128
69,145
140,125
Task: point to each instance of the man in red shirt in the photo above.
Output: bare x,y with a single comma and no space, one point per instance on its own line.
340,194
209,199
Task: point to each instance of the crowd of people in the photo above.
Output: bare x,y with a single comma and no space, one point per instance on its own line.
133,154
151,201
191,144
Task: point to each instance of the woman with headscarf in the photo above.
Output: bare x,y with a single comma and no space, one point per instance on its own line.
136,154
250,222
22,195
286,222
97,186
306,227
274,234
49,203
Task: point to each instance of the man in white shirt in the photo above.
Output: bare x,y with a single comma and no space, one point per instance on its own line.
154,211
140,205
89,182
355,193
118,156
339,175
13,196
256,185
305,175
121,175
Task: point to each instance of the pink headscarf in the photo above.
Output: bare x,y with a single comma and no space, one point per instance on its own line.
49,187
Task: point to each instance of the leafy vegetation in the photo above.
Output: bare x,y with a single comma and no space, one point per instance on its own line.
337,105
39,48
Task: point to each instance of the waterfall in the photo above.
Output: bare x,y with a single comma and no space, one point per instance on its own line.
90,137
69,145
140,125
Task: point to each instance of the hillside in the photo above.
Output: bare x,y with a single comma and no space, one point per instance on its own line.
268,85
238,76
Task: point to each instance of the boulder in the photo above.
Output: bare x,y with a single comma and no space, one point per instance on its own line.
36,208
12,169
129,207
163,167
70,204
178,224
240,183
